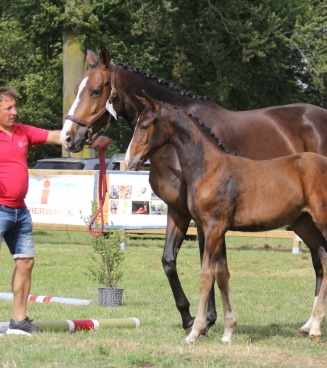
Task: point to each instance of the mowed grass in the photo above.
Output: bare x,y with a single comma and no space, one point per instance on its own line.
272,291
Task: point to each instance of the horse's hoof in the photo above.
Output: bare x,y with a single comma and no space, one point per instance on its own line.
189,326
188,330
204,334
317,338
302,333
226,341
190,341
191,338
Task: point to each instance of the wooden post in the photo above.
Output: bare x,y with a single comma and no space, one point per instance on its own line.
73,71
296,244
122,166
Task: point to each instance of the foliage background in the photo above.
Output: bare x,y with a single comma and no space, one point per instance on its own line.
243,54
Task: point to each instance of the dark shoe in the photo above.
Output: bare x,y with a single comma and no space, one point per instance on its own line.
24,327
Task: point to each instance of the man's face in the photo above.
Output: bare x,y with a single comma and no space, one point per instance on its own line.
8,113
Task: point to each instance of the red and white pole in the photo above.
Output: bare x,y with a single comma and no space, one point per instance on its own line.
71,325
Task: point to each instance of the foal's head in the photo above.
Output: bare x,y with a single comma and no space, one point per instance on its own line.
150,133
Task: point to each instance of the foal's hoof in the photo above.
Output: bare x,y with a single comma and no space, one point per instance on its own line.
316,338
190,340
226,340
302,333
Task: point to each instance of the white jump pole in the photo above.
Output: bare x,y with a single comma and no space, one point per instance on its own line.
79,324
49,299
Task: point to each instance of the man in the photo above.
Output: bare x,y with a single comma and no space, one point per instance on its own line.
15,218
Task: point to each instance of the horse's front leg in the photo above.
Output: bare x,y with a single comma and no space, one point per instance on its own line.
305,329
214,266
222,278
319,310
177,225
212,312
305,228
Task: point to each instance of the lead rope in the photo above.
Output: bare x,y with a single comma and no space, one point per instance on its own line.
102,189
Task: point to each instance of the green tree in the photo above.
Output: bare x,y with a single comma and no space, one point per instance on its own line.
244,54
31,62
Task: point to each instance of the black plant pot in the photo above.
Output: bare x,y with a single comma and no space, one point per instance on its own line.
110,296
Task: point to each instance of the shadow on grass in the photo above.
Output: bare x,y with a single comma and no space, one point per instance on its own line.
255,333
261,333
41,233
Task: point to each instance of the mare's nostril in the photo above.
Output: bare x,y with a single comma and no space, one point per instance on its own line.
68,139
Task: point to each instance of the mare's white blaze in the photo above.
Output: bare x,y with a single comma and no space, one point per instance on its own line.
68,123
128,154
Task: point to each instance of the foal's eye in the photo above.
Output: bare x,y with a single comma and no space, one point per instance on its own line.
95,93
143,127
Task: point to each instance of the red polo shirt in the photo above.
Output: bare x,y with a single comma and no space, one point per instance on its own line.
13,162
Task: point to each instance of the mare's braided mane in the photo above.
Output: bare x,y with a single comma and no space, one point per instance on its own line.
162,81
206,130
150,76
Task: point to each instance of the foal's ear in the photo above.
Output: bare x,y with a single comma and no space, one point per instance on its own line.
104,56
90,58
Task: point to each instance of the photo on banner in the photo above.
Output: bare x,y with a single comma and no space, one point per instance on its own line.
131,202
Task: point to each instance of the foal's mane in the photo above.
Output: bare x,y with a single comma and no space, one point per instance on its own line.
171,86
206,130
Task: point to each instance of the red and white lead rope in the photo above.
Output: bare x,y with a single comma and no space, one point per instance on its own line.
102,189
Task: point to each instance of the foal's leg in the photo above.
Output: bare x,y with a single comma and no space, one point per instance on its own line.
177,225
222,278
214,266
212,312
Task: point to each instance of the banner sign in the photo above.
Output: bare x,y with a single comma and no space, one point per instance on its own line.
131,203
60,199
67,199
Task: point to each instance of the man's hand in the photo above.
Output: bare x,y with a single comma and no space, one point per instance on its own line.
101,142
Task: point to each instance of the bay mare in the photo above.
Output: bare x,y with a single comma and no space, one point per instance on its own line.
258,134
226,192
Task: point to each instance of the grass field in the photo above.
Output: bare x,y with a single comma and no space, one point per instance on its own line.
272,291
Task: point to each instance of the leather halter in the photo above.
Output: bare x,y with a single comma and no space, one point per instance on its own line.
113,93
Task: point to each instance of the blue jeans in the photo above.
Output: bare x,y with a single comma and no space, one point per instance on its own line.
16,229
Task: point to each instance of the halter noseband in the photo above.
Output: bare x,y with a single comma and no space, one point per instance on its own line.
88,123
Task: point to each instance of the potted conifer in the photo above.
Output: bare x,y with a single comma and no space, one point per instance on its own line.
105,268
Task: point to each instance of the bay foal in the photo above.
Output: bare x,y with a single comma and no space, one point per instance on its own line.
230,192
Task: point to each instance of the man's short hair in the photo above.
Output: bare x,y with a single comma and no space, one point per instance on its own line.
6,92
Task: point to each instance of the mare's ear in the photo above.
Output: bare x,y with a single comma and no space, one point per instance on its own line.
104,56
90,58
143,101
150,102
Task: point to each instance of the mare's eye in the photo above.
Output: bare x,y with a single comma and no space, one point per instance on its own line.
95,93
143,127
